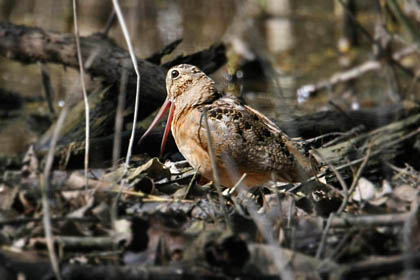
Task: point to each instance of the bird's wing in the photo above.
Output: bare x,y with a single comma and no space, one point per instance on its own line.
246,139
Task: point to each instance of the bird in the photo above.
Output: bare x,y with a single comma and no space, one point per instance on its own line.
244,140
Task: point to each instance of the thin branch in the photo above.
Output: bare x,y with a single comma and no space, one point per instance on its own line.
116,150
190,184
85,97
354,183
389,220
410,232
46,83
356,23
324,236
109,23
134,61
136,105
339,178
360,170
45,186
214,167
354,73
340,77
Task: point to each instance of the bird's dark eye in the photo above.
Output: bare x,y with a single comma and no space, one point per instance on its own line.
174,74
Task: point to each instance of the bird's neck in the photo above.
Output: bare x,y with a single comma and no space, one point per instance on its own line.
196,97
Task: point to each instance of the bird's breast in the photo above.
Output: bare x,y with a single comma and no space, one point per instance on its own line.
186,132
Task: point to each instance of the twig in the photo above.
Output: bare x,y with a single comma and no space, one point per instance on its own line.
360,170
354,183
337,251
155,198
377,43
352,74
403,20
408,171
238,183
234,198
265,227
133,131
214,167
19,221
340,77
46,83
116,150
410,232
340,179
45,185
85,97
190,184
109,22
88,243
341,137
377,267
356,23
324,236
134,61
369,220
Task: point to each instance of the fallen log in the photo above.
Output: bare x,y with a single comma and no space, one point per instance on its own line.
103,59
106,60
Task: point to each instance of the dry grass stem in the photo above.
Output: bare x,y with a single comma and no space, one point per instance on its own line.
359,171
340,179
190,184
214,167
109,23
85,97
46,83
45,185
126,34
116,150
136,70
324,236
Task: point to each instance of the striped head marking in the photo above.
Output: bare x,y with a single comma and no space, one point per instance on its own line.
185,84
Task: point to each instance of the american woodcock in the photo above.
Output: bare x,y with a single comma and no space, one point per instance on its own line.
244,140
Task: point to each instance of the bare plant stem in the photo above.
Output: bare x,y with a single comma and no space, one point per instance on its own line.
214,167
45,186
116,150
46,83
324,236
359,171
340,179
136,70
85,97
126,34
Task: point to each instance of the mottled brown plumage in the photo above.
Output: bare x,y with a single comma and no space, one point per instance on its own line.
245,141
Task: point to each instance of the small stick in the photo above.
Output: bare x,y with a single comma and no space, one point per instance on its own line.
46,83
45,185
238,183
388,220
324,236
19,221
109,22
214,167
116,149
340,179
359,171
190,184
85,97
136,69
133,131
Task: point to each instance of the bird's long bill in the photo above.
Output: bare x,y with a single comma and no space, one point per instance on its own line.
167,105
